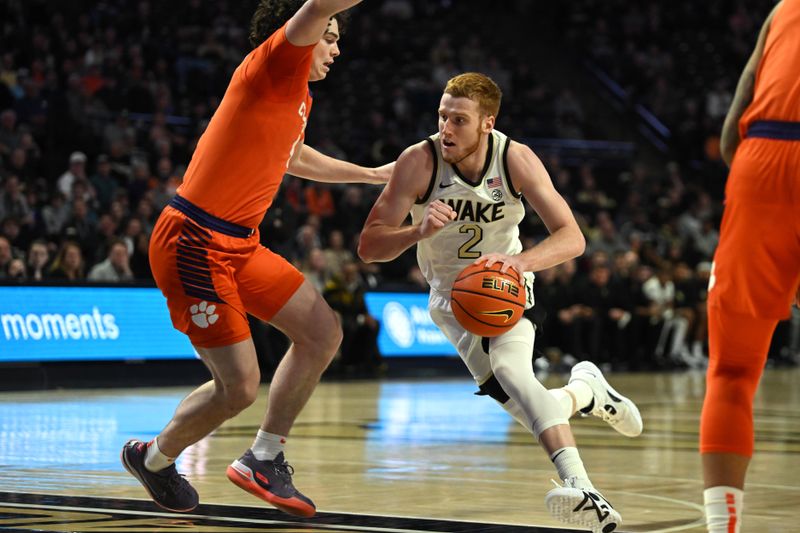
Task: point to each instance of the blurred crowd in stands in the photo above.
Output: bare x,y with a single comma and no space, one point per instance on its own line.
681,61
102,103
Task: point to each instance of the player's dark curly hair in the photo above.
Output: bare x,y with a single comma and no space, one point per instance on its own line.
270,15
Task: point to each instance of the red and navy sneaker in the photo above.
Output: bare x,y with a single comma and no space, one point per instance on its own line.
272,482
167,487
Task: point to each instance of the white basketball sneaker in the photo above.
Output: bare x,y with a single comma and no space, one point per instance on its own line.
584,507
620,412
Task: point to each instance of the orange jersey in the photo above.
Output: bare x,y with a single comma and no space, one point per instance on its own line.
777,89
241,158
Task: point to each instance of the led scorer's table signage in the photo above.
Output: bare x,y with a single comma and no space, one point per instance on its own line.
406,325
43,323
87,323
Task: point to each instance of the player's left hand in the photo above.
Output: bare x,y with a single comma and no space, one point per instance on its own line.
508,261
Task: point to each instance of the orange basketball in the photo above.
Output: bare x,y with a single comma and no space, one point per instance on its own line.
486,302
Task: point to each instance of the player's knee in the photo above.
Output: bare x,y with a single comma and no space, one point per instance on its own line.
735,380
337,334
240,394
325,334
329,335
727,419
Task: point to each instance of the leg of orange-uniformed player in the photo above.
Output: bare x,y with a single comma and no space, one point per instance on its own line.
738,347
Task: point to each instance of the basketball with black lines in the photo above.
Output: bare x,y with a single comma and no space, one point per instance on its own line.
487,302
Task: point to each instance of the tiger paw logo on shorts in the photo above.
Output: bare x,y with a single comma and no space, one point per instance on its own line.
203,314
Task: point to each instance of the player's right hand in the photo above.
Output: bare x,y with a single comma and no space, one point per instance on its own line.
437,215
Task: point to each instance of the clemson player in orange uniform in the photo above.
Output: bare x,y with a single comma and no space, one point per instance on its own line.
208,262
757,264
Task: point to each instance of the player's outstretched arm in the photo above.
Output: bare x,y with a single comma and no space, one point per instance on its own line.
311,164
385,236
308,25
566,239
729,139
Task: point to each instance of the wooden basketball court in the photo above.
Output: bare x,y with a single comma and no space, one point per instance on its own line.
422,455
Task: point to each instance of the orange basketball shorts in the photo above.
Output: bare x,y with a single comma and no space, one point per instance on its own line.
757,263
213,273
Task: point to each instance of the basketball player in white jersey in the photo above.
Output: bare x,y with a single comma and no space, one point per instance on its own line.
464,188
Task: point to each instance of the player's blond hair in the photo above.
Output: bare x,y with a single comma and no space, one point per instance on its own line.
477,87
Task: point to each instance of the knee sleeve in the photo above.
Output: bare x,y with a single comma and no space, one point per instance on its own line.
738,348
511,356
492,388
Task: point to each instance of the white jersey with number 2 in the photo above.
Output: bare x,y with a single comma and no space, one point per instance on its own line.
488,213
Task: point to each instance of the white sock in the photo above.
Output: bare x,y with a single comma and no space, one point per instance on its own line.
267,445
154,458
582,392
723,509
569,464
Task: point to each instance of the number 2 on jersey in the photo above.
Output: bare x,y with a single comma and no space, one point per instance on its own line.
466,250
